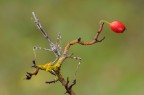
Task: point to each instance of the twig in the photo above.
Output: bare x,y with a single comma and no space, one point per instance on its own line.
29,75
65,55
66,84
95,40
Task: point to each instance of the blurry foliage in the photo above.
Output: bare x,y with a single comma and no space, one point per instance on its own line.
113,67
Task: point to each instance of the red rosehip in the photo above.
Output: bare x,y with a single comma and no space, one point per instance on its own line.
117,27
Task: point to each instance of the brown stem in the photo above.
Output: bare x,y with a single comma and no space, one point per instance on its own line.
29,75
64,56
95,40
65,84
60,60
52,81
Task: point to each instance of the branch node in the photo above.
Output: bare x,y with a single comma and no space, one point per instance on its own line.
34,64
74,82
49,82
28,76
69,88
79,39
101,39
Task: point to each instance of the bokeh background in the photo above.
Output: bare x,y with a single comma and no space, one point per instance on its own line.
112,67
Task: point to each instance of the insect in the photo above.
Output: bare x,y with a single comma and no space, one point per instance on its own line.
55,48
55,67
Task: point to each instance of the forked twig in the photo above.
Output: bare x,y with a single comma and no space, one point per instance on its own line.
55,68
95,40
29,75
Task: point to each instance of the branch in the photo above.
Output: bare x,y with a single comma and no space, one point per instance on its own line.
29,75
65,55
95,40
55,68
66,84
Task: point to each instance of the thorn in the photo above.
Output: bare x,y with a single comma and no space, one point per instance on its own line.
101,39
28,73
34,64
49,82
67,81
28,76
79,39
74,82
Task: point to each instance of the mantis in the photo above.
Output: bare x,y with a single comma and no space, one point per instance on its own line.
55,48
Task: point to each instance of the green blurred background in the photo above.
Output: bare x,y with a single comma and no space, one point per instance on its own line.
113,67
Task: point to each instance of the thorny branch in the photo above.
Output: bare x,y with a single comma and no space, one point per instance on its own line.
95,40
54,67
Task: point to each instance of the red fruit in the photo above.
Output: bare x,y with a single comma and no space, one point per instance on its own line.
117,27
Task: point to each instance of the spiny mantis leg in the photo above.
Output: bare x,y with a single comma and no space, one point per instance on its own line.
52,45
29,75
76,58
58,43
58,38
39,48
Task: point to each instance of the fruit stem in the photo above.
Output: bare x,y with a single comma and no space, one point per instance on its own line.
104,21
